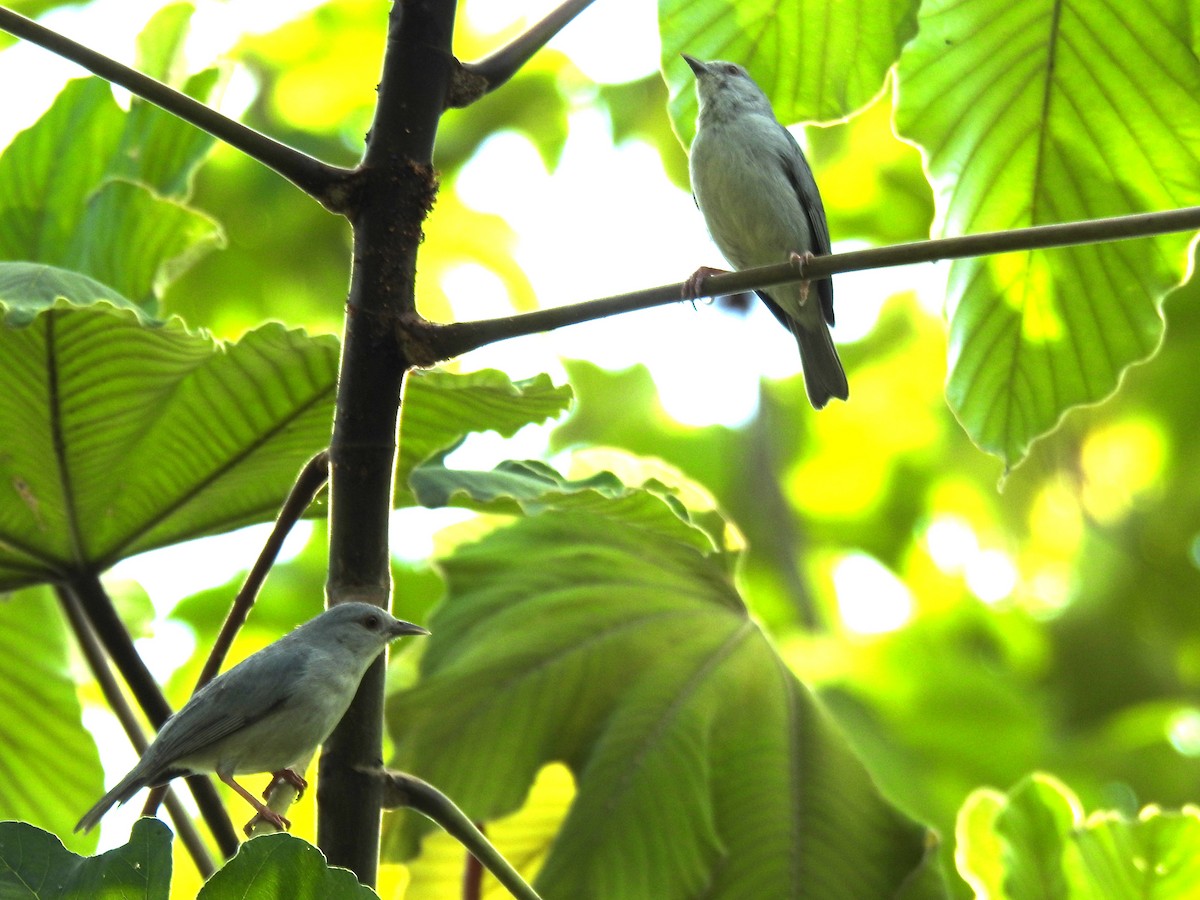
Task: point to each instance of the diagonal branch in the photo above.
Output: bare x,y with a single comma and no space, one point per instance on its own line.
94,654
325,183
403,790
102,616
428,343
308,483
492,71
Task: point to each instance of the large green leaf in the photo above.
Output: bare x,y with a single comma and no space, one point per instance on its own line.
42,738
122,435
35,865
279,865
817,61
96,189
1035,843
1031,113
442,408
702,764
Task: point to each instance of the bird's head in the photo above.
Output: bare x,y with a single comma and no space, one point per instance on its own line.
726,89
362,628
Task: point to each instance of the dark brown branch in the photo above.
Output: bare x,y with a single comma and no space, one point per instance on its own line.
397,191
479,78
430,343
309,482
328,185
102,616
94,655
400,789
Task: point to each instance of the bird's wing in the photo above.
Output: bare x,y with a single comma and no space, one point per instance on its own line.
247,693
795,167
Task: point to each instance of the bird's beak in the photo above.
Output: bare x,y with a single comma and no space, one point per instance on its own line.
696,66
402,628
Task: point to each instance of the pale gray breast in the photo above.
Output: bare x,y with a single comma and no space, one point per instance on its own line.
742,187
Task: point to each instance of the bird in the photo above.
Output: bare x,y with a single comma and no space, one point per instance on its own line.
761,205
270,711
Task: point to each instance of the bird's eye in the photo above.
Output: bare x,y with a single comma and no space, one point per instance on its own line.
731,69
371,622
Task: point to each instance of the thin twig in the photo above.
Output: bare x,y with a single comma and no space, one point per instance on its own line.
102,616
308,483
429,343
327,184
400,789
497,68
94,655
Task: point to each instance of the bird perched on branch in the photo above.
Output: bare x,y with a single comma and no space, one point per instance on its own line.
761,204
268,712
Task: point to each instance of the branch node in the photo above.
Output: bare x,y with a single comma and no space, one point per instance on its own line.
419,340
466,86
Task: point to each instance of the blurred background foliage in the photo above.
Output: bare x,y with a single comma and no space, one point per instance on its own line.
966,626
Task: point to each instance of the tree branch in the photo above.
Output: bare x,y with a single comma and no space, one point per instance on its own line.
429,343
310,480
102,616
94,654
328,185
484,76
400,789
397,190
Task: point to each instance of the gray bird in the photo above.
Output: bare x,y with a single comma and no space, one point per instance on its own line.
268,712
761,204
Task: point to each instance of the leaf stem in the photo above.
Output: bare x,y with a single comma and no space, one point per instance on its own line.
401,789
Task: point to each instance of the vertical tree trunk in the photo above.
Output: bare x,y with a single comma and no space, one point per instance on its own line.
393,194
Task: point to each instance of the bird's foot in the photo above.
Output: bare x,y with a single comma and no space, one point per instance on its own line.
694,286
286,776
801,259
266,814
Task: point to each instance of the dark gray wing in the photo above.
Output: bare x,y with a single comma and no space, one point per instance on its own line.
795,166
250,691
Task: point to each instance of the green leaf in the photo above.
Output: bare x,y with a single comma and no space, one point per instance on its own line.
35,864
122,436
816,64
1158,855
1036,843
28,288
279,865
441,408
628,654
43,741
169,238
57,203
531,487
1035,826
1031,114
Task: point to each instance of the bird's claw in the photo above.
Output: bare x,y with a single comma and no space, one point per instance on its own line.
286,776
801,259
269,816
694,286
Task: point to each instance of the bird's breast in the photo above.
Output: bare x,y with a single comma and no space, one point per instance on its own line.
750,207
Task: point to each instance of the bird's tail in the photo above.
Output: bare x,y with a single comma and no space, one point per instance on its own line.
824,376
126,788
